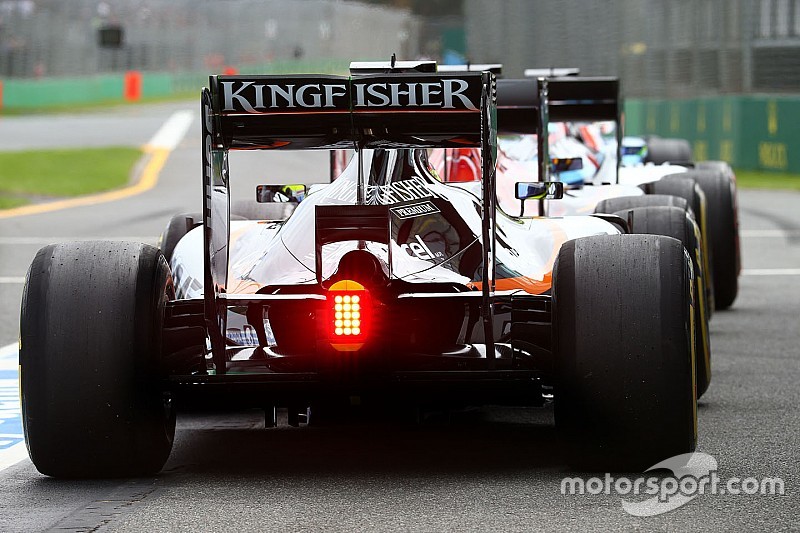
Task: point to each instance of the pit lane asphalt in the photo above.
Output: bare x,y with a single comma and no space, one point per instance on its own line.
492,469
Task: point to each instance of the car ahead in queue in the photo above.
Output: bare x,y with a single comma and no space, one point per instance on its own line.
615,167
386,285
525,108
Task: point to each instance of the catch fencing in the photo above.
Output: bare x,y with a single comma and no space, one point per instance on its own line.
724,74
660,48
70,38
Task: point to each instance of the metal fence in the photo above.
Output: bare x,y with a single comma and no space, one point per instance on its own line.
660,48
44,38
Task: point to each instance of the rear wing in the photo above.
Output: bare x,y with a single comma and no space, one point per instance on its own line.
383,110
363,111
527,106
568,99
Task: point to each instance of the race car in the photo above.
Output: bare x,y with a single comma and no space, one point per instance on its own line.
386,287
525,107
671,160
661,167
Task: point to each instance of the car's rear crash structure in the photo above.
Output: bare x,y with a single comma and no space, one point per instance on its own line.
387,285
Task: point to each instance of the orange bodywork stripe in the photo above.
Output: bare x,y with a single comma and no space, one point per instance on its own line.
529,285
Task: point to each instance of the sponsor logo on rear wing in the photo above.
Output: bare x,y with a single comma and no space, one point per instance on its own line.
416,92
398,110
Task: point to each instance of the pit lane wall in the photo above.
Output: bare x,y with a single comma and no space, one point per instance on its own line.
754,132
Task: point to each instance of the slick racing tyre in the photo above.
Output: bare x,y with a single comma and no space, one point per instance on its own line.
675,222
661,151
252,210
93,402
612,205
684,186
624,386
177,227
723,230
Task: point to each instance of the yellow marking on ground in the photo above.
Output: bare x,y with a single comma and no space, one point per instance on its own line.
147,180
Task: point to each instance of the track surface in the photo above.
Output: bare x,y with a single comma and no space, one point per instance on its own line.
493,469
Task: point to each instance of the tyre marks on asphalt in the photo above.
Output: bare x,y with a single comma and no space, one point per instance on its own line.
784,224
157,151
98,514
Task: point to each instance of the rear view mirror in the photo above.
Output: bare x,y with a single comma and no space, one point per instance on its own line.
562,164
294,193
539,190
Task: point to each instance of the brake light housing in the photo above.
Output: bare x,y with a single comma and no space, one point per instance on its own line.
348,309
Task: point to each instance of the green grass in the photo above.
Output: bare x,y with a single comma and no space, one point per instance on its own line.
100,105
31,174
761,179
7,202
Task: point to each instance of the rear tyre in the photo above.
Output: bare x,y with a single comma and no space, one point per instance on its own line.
624,381
723,231
177,227
684,186
93,403
624,203
676,223
661,151
612,205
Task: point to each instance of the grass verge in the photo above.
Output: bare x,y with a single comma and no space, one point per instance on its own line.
29,175
7,202
760,179
99,106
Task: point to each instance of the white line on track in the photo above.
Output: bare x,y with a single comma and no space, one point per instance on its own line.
771,272
9,353
172,131
12,280
767,233
11,456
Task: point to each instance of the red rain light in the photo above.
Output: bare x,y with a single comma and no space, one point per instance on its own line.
348,303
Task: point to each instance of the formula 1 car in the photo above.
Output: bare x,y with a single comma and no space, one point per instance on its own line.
525,107
385,286
666,166
660,167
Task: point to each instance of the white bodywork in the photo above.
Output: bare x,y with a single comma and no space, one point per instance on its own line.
283,253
